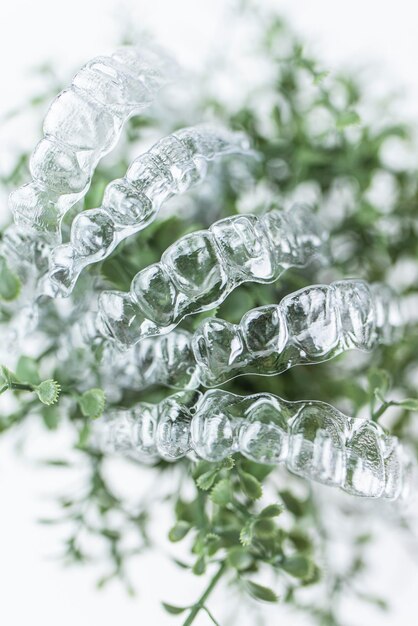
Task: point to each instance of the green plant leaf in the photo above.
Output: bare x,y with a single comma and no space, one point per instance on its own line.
246,534
264,528
7,376
50,416
292,504
206,480
300,539
48,392
92,403
213,543
348,118
379,381
260,592
221,493
84,435
250,485
239,558
272,510
228,463
173,610
409,404
199,567
179,531
27,370
298,566
9,282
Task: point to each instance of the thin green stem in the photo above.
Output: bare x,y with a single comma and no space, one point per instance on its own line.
17,387
377,414
211,617
196,608
21,387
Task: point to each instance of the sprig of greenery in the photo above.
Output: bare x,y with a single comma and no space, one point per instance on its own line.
48,391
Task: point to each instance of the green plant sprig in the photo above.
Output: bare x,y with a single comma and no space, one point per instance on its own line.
48,391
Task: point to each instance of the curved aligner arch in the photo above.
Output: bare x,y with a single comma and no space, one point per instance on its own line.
172,165
312,439
308,326
198,271
82,125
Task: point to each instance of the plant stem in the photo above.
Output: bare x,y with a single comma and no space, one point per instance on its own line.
205,608
381,410
200,603
21,387
17,387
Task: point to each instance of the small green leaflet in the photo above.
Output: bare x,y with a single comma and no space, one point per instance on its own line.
9,282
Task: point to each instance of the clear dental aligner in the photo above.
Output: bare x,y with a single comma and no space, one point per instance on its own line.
198,271
309,326
81,126
172,165
162,360
313,439
155,361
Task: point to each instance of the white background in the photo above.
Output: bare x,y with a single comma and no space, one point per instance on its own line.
34,587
